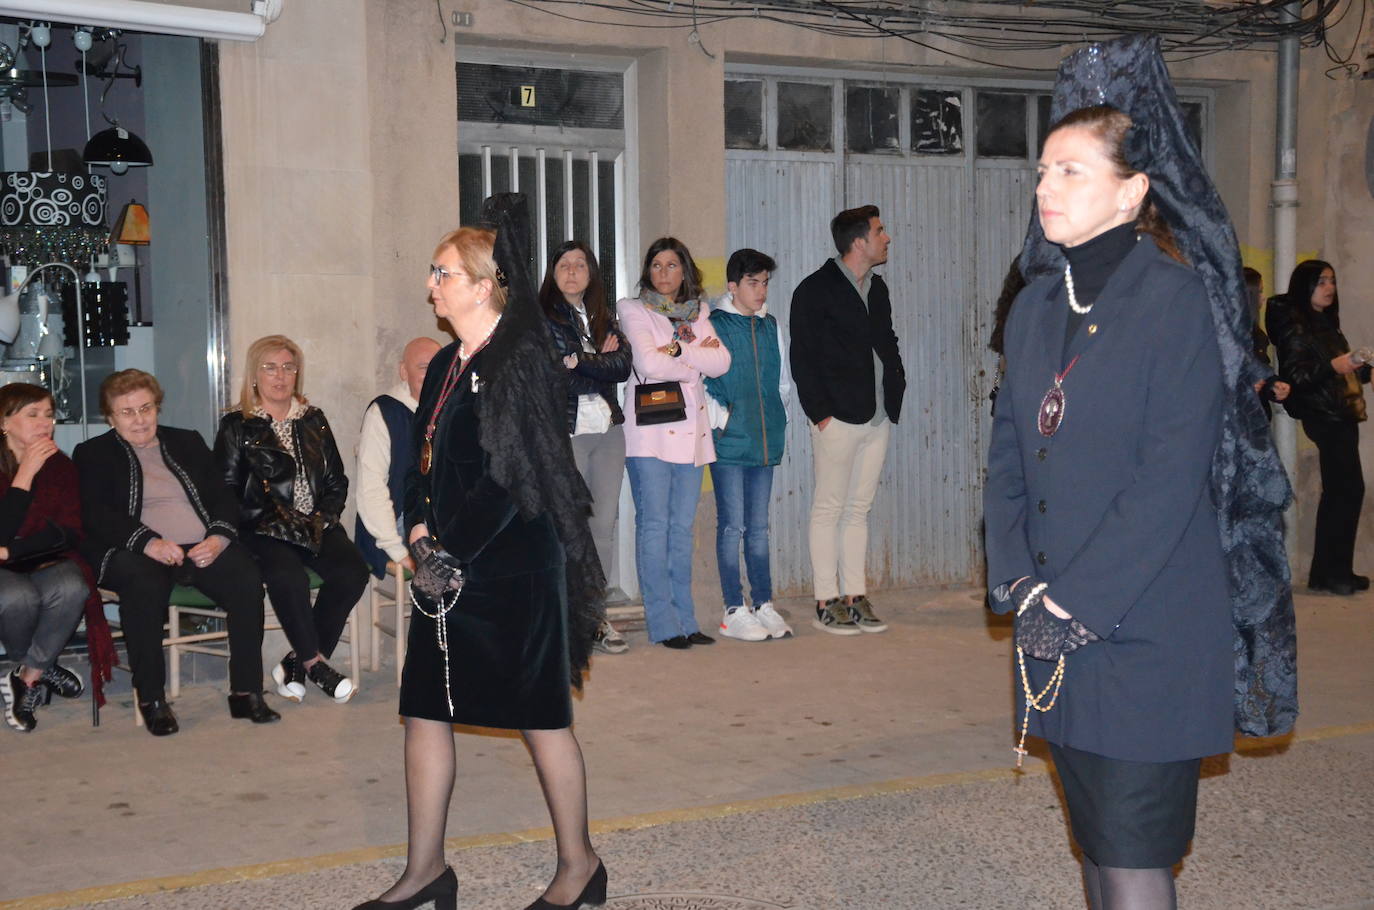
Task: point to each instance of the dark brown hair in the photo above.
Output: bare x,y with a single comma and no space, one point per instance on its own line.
850,225
1302,284
1011,286
1110,126
691,275
14,397
594,298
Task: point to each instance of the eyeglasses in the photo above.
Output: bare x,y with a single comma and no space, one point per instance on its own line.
144,411
441,274
271,369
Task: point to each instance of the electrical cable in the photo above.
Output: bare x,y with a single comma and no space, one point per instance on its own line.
47,110
86,98
1193,28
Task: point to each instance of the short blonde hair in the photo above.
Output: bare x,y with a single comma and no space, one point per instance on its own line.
248,393
474,247
122,383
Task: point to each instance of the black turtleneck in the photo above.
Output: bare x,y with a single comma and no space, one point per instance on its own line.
1093,263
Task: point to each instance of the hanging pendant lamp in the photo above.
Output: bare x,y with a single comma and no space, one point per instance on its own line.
118,149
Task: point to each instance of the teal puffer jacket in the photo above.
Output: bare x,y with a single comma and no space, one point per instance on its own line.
749,391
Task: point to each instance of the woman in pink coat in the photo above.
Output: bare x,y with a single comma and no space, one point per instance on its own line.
672,339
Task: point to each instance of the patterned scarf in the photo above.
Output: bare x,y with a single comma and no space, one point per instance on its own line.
681,313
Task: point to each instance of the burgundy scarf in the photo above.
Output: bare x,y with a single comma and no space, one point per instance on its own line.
56,498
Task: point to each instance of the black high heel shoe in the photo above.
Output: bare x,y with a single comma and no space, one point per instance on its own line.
443,891
593,894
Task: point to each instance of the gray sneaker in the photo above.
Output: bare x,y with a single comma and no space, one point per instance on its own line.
609,640
834,617
864,617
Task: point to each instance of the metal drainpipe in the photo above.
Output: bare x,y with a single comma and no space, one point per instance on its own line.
1284,194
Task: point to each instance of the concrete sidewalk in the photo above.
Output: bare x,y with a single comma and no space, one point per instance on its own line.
820,771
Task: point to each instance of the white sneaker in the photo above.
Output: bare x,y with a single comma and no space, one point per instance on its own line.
290,679
741,623
772,621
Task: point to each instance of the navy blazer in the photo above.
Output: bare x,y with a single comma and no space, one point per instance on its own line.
1114,510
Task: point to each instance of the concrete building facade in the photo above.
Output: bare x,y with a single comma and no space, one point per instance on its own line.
340,141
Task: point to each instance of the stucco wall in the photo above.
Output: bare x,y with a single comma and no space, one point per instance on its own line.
341,171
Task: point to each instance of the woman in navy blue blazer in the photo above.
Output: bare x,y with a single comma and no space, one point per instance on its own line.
1100,528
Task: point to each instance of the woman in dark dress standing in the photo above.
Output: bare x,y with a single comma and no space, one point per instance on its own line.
507,588
1134,498
1328,398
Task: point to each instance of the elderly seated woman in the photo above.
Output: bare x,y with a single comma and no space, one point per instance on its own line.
43,585
157,515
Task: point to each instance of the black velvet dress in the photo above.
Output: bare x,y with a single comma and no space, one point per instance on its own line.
508,663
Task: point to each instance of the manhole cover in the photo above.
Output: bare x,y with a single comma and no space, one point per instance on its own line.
687,901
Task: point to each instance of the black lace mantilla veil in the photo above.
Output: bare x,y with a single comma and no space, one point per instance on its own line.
524,424
1249,485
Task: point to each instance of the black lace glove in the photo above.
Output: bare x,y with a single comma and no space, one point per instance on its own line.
1078,636
1040,633
1045,636
436,571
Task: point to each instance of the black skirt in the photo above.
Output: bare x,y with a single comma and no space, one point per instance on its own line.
507,656
1129,814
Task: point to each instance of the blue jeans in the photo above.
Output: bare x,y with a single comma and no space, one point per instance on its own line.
742,494
665,496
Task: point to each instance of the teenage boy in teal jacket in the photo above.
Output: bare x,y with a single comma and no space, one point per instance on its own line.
749,422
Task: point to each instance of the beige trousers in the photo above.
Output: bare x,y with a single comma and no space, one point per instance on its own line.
848,459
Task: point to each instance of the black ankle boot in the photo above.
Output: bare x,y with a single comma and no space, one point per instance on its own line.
593,894
158,716
443,891
252,706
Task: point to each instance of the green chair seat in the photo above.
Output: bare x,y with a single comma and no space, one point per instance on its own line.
187,596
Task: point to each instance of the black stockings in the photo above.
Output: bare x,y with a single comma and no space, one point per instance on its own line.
1113,888
563,776
430,765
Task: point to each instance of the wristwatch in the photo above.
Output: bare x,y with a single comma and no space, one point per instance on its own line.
674,349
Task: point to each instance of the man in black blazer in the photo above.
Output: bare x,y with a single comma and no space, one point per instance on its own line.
850,381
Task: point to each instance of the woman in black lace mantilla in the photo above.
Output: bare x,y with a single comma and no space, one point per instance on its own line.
508,589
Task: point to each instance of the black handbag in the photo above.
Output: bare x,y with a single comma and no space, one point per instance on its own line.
659,402
289,526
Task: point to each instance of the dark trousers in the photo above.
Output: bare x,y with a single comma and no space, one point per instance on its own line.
345,575
144,585
1338,513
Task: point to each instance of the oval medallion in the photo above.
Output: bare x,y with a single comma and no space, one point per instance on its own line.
1051,411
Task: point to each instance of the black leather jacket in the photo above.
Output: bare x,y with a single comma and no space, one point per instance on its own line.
258,470
1306,343
596,374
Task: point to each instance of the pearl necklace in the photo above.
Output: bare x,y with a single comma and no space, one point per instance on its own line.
463,354
1073,298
